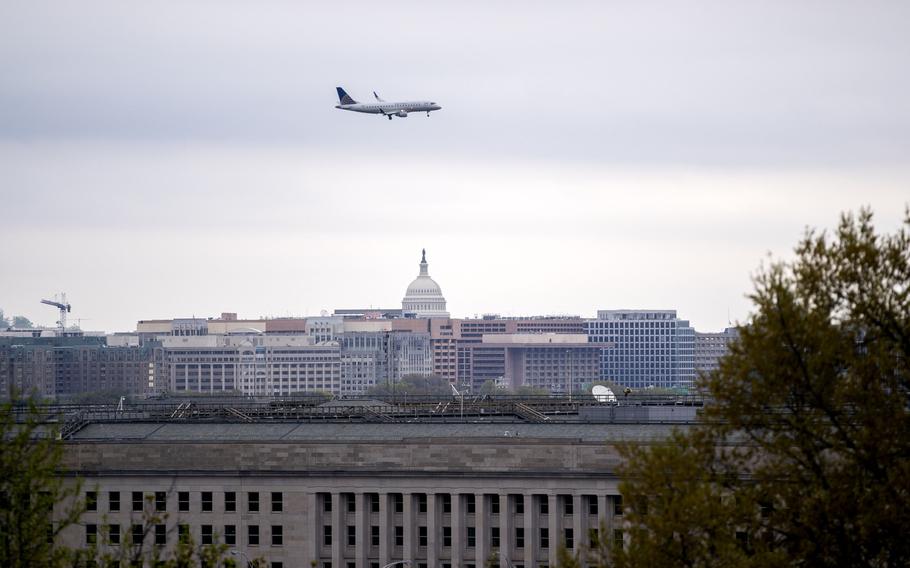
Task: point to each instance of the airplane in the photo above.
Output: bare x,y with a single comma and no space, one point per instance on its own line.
382,107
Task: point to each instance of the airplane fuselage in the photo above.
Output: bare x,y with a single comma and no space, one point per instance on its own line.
394,109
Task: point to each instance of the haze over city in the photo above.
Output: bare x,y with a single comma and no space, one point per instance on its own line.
161,162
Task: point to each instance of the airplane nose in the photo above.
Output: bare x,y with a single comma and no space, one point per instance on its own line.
436,107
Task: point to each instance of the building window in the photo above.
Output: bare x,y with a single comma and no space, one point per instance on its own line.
617,505
472,537
446,536
160,501
230,534
160,535
183,533
113,500
183,501
421,536
327,535
618,538
544,538
422,503
471,502
374,535
113,534
352,535
91,534
374,502
49,533
399,503
352,502
544,505
91,500
277,565
592,504
207,534
137,534
446,503
277,535
252,501
252,535
569,537
494,504
519,537
568,505
494,537
326,502
277,501
230,501
399,536
593,538
520,504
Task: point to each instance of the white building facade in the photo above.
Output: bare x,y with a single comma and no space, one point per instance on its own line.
423,297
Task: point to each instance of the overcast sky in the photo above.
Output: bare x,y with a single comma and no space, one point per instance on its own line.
171,159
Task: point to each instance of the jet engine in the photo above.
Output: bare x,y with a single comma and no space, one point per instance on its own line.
402,113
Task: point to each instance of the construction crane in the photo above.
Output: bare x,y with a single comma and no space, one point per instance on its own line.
62,306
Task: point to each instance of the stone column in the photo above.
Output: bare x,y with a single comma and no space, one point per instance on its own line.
338,530
432,529
604,517
410,528
312,532
482,528
386,529
531,535
553,527
578,526
506,530
458,529
361,539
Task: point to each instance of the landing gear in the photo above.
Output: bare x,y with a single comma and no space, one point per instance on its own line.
428,114
390,116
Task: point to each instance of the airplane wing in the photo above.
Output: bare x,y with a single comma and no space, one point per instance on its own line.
377,97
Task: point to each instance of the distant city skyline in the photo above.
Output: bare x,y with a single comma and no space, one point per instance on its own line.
160,160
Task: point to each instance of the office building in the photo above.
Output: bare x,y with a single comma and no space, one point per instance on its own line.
710,348
648,348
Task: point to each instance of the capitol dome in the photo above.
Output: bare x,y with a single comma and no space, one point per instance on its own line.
424,296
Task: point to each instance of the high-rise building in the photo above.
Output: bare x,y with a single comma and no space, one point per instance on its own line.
710,348
649,348
423,298
63,366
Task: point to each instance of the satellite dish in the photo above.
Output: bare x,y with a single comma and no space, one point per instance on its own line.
603,394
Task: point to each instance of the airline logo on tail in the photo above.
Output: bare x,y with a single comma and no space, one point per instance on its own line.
385,108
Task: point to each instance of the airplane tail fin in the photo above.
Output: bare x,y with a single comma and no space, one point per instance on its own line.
344,98
377,97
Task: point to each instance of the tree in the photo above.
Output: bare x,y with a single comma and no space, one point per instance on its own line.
804,454
4,322
30,487
22,322
413,385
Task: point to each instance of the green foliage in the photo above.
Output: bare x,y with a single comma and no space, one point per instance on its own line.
4,322
22,322
30,487
804,454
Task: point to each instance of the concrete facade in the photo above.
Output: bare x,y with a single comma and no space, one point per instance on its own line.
361,495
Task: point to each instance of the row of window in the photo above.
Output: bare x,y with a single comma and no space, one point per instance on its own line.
159,534
206,502
566,502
